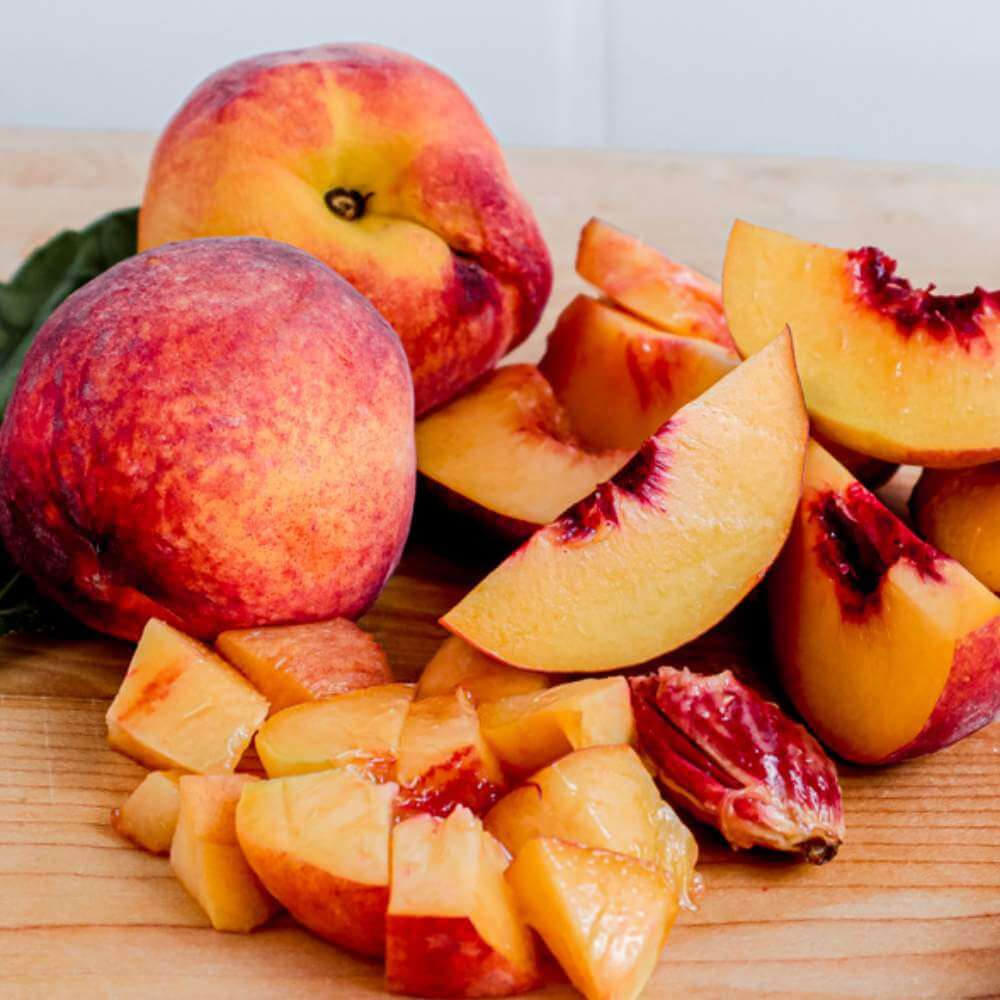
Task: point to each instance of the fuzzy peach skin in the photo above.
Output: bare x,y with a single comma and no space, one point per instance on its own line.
378,165
218,434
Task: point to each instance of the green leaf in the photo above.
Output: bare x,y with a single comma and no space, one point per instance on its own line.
51,274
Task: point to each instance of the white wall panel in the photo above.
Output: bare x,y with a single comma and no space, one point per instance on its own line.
890,79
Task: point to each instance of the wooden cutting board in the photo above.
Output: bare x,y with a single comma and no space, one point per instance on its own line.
910,908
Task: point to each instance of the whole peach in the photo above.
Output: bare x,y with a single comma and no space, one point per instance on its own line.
217,433
381,167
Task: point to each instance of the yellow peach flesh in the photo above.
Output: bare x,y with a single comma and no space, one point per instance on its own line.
181,706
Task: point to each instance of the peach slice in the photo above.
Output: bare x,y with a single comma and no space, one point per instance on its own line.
453,929
891,371
148,817
181,706
668,547
599,797
888,648
456,664
320,844
444,761
505,452
291,664
648,283
528,731
206,857
598,354
605,916
360,728
959,512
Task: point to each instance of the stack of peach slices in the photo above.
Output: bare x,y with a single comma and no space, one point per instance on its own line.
508,818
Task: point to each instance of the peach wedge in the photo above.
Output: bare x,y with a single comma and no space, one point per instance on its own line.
888,370
320,843
958,510
888,648
505,453
649,284
605,916
453,929
598,354
664,550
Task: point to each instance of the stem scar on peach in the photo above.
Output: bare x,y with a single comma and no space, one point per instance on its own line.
347,203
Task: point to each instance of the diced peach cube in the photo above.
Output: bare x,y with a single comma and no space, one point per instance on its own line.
360,728
456,664
320,843
453,929
291,664
604,916
149,815
207,859
444,760
181,706
600,797
528,731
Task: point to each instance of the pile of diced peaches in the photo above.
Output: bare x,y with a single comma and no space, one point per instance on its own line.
442,824
502,818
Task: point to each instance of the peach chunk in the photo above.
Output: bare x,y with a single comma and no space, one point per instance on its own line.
320,843
667,548
453,929
959,512
598,354
600,797
456,664
148,816
181,706
638,277
505,453
888,648
444,761
889,370
605,916
528,731
206,857
291,664
360,728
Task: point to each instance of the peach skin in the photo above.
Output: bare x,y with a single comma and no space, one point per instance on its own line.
379,165
145,474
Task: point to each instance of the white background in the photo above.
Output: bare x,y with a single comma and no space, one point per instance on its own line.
873,79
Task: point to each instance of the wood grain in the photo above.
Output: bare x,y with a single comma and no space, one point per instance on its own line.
911,908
